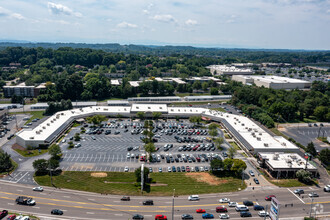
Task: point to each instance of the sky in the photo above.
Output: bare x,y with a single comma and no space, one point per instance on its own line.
271,24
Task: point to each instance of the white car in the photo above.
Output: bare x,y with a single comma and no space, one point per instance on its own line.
224,200
327,188
224,216
126,169
263,213
38,188
232,204
193,198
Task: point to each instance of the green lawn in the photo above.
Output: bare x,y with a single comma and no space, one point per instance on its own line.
219,109
284,182
227,136
124,183
31,153
34,114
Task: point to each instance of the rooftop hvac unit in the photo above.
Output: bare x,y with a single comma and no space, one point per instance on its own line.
260,133
258,138
43,127
54,119
105,109
275,157
243,124
235,123
51,121
37,132
288,160
40,130
250,129
283,144
246,127
293,156
266,144
62,113
235,118
31,138
48,124
277,154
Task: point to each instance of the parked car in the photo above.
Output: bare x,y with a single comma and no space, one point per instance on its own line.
187,216
200,211
299,191
207,216
126,169
269,198
240,208
263,213
56,212
148,202
3,214
11,217
224,200
258,207
125,198
138,216
251,172
221,209
224,216
38,188
326,188
245,214
248,203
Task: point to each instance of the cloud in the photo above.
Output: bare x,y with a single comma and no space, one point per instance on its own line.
191,22
164,18
62,9
146,12
328,11
124,24
7,13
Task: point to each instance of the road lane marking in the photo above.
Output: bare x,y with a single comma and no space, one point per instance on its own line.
21,177
296,196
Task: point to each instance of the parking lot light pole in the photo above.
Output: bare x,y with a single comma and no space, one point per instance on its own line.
173,204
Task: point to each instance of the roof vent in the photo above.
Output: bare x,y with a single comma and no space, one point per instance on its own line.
48,124
31,137
266,144
258,138
43,127
283,144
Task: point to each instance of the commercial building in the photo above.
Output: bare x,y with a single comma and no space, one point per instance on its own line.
229,70
203,79
207,98
284,165
123,102
274,82
162,99
115,82
44,105
23,90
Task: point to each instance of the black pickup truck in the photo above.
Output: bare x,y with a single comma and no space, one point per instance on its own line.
23,200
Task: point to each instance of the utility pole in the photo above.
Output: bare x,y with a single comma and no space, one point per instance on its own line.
266,212
173,204
318,133
310,213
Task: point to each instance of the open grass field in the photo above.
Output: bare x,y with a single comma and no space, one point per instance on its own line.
162,183
28,153
34,114
219,109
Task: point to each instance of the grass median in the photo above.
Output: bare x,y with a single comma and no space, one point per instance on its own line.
124,183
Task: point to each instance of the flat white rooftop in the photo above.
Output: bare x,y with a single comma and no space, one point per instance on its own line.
273,79
285,161
115,82
149,108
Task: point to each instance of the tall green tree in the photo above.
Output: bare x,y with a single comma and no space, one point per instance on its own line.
5,162
311,149
54,150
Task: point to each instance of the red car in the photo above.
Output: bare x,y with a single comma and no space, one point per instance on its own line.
200,211
142,158
12,217
160,217
221,209
187,169
3,214
269,198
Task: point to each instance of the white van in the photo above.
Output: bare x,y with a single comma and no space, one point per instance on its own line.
25,218
193,198
240,208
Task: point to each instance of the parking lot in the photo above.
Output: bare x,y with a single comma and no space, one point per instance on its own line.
307,133
119,145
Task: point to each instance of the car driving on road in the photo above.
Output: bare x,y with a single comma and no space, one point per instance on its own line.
38,188
187,216
56,212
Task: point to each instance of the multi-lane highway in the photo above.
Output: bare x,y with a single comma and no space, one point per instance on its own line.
83,205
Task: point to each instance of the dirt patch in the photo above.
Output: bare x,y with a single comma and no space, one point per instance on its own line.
17,147
158,184
99,174
206,178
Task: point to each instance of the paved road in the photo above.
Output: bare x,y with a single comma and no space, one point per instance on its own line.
83,205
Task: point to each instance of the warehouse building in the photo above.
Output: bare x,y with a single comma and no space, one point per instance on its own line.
229,70
162,99
284,165
44,105
206,98
123,102
274,82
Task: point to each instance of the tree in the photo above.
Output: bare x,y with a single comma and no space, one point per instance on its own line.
53,164
324,156
231,152
304,176
54,150
238,166
311,149
137,173
140,115
5,162
218,141
40,165
227,164
76,137
156,115
205,86
213,126
149,148
213,132
320,112
214,91
216,164
195,119
96,119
